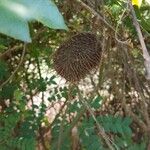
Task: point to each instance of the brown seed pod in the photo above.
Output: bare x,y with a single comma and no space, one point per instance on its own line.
75,58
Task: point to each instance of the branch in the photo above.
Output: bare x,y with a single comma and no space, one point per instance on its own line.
138,88
146,55
9,51
42,138
100,128
95,14
15,71
18,47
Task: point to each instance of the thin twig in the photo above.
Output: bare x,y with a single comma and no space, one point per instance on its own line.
95,14
64,117
42,138
18,47
100,128
15,71
74,122
60,135
40,126
69,128
116,31
139,89
9,51
102,18
136,84
127,109
146,55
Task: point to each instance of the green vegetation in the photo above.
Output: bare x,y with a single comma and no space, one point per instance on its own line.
107,110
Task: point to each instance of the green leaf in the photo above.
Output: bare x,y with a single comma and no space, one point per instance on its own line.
41,85
18,94
96,102
144,21
116,124
74,107
15,15
89,139
141,146
14,26
127,121
2,47
44,11
3,70
116,9
8,91
51,80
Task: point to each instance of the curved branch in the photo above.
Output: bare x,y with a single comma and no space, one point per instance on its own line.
146,55
15,71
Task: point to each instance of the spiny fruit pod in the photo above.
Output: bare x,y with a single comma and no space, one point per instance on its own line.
76,57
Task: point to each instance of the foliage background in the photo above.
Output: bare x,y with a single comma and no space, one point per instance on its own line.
109,109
